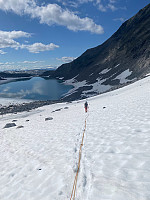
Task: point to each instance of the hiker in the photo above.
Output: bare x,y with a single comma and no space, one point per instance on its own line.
86,106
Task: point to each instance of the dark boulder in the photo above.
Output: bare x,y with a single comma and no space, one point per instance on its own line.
20,126
9,125
48,118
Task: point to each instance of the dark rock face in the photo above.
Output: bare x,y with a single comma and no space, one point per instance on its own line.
9,125
127,49
48,118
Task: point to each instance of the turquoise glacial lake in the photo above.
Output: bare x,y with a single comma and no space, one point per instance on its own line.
35,88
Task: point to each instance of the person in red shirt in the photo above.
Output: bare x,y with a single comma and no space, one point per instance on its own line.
86,106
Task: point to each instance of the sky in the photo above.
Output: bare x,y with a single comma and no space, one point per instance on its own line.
39,34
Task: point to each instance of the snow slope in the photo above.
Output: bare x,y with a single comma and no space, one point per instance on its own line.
39,161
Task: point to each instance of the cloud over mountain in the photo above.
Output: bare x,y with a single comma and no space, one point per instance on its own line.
66,59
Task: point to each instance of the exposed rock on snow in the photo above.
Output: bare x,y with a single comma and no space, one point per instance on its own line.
48,118
14,120
65,108
9,125
57,110
20,126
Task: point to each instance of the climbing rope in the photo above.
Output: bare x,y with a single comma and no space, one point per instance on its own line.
76,176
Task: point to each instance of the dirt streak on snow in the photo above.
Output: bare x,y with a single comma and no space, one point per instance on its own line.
39,161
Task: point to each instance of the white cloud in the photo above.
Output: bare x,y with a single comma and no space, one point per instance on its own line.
17,6
119,19
51,14
31,62
13,34
102,8
85,1
7,41
112,7
38,47
102,5
7,38
66,59
2,52
7,63
69,3
112,1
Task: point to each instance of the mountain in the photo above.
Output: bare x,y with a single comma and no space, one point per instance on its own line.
123,58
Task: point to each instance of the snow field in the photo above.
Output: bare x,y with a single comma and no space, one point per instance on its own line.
39,161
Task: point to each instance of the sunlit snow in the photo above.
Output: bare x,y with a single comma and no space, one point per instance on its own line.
39,160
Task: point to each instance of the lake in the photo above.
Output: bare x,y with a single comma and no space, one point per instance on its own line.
35,88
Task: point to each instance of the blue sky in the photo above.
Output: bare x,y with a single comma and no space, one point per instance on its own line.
48,33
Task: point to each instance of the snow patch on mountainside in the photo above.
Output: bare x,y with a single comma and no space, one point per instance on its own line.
104,71
116,66
123,76
76,85
97,87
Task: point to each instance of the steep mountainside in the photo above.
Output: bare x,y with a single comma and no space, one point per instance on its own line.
124,57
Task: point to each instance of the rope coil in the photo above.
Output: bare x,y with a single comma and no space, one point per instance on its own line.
76,177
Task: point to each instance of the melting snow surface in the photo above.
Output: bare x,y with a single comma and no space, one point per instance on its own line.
105,71
123,76
75,84
98,87
116,65
39,161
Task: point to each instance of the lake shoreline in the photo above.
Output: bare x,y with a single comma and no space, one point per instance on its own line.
33,88
26,106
